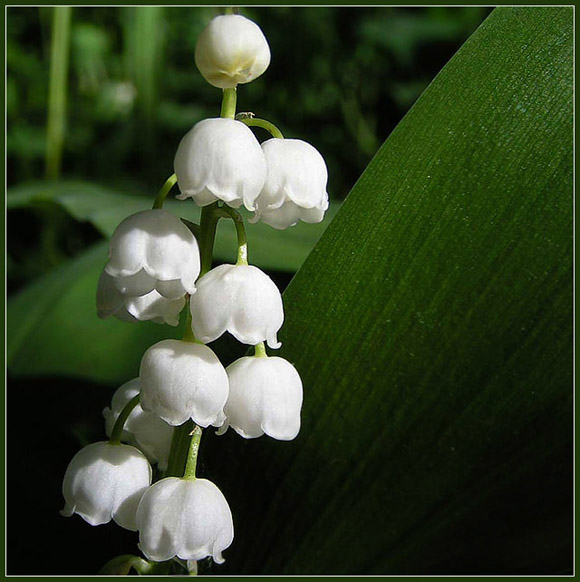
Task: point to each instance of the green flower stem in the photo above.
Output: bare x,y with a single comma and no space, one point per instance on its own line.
178,451
169,183
191,464
230,96
120,422
256,122
121,565
260,350
207,229
157,568
57,92
179,441
188,335
208,225
240,231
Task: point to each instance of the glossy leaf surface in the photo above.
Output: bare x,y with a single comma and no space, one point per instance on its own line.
432,327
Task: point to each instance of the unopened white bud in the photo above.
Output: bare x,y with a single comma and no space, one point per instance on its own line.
231,50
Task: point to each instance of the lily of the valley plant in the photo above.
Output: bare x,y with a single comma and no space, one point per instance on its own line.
157,267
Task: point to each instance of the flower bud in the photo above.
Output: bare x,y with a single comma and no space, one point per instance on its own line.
153,250
186,518
295,187
220,159
265,397
182,380
240,299
144,430
105,481
231,50
151,307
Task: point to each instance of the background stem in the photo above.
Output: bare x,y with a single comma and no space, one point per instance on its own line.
57,92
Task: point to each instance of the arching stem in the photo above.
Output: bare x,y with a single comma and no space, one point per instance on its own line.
240,232
256,122
160,199
120,422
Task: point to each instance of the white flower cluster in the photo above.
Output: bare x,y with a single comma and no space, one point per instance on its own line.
153,270
282,181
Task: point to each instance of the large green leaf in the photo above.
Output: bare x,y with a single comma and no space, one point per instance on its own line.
432,328
53,328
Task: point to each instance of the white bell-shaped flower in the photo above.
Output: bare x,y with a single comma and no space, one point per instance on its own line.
295,187
182,380
240,299
151,307
153,250
190,519
105,481
231,50
142,429
220,159
265,397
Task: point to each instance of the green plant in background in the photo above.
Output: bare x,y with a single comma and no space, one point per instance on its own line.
57,90
432,321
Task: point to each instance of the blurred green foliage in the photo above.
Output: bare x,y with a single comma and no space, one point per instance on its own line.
341,78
